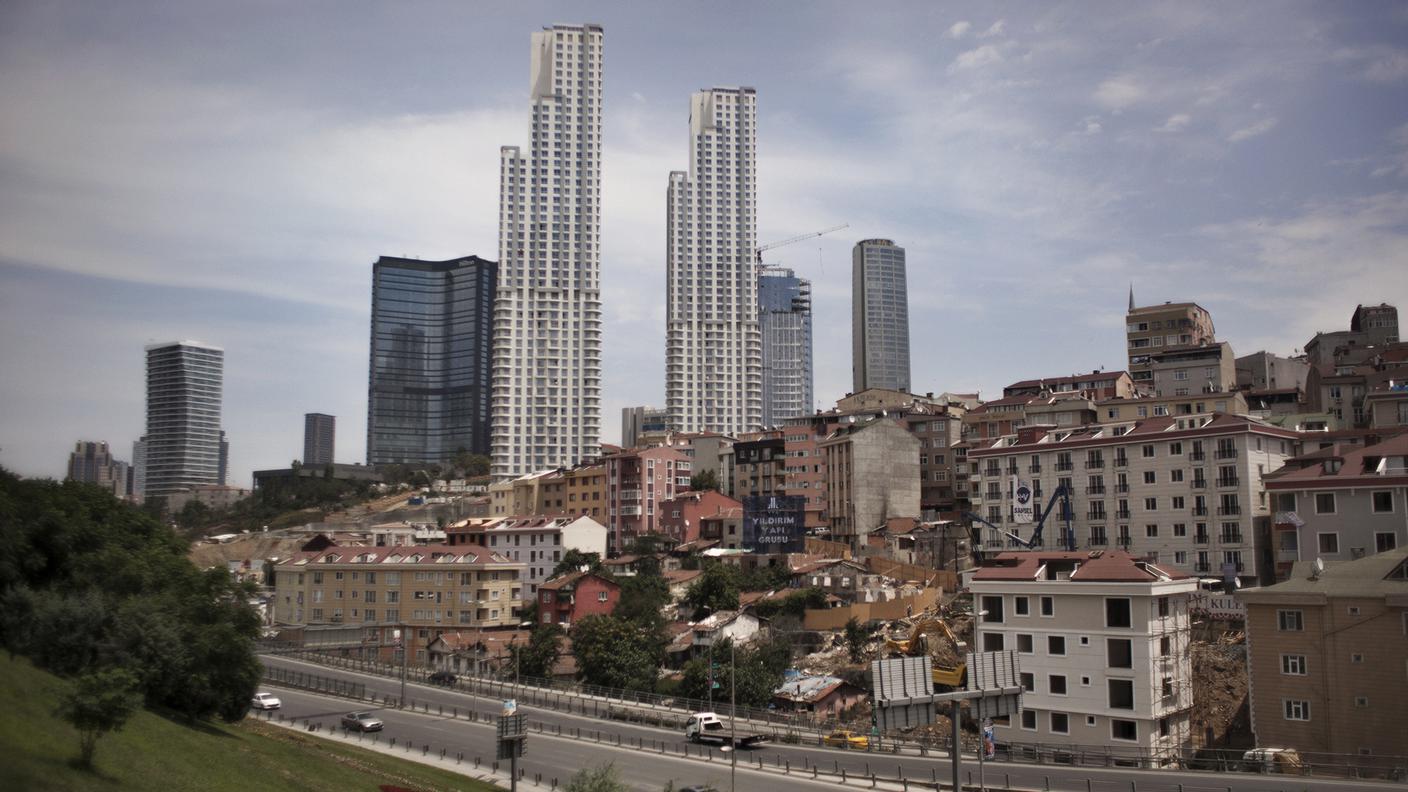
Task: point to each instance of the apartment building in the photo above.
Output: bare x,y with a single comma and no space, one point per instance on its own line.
1185,492
540,541
637,482
1095,385
872,475
713,343
1104,639
1388,408
785,321
1156,328
92,463
1261,371
804,474
566,599
1209,368
638,421
682,517
1369,326
1326,653
1142,407
184,445
520,495
1340,503
547,309
759,464
996,418
879,316
429,589
938,469
577,490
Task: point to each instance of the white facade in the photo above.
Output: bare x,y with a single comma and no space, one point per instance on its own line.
713,346
540,543
547,313
1090,679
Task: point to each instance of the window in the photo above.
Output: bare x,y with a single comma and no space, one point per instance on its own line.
1383,502
1324,503
1329,542
1048,606
1024,643
1056,644
1296,710
600,596
1029,719
1356,657
1028,682
1121,693
992,607
1060,723
1150,477
1056,684
1289,621
1119,652
1151,504
1020,606
1293,665
1385,541
993,642
1165,607
1117,612
1124,729
1147,452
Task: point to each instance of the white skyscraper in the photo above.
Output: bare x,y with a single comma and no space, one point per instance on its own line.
547,311
185,384
713,347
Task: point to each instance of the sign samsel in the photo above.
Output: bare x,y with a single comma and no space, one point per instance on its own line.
1023,510
774,523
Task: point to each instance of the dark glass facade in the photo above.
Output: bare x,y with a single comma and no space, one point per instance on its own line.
432,333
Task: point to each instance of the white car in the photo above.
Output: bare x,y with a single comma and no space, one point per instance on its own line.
266,701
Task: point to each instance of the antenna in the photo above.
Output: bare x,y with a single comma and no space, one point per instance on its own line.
1319,567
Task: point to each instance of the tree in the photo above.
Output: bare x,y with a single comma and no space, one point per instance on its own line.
759,669
603,778
642,598
615,653
715,590
99,702
704,480
472,465
855,640
539,655
575,559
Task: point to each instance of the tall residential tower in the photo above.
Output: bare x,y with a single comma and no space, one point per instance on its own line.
185,382
320,437
547,314
879,316
785,319
713,347
428,388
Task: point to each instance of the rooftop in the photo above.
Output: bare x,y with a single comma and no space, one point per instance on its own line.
1098,566
1378,575
418,554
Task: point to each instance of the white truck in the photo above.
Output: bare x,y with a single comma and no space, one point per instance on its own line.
709,728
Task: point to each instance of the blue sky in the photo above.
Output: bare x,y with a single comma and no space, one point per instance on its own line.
228,172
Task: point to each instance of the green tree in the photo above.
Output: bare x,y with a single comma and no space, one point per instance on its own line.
704,480
759,668
855,640
603,778
642,598
715,590
539,655
575,559
615,653
472,465
97,703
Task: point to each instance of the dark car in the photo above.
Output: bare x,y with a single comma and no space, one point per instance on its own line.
361,721
443,678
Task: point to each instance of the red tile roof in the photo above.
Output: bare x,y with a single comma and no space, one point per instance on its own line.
1092,567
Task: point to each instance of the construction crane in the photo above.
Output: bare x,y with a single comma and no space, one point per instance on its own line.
802,238
1068,536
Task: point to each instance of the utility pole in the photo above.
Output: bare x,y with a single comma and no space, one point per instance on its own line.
732,716
405,649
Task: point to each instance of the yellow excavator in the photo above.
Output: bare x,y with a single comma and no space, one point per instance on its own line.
946,677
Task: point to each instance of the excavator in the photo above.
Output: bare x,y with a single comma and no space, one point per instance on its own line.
945,677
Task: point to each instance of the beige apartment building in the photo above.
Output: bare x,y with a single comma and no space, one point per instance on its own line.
1207,369
1185,492
428,589
1158,406
1104,641
1327,658
1156,328
872,475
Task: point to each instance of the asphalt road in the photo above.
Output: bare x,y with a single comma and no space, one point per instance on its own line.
643,767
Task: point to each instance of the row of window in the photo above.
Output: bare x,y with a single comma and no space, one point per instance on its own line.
1060,723
1118,611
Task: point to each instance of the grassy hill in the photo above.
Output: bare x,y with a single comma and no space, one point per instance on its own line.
155,753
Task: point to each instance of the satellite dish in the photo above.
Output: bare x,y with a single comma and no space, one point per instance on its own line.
1319,566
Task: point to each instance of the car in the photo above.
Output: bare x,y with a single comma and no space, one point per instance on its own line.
845,738
443,678
361,721
266,701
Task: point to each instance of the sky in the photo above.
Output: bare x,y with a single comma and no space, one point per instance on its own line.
228,172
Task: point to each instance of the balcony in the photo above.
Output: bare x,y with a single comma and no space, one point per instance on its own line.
1229,510
1062,467
1227,481
1197,455
1121,488
1121,461
1226,453
1200,483
1230,537
630,511
1200,511
993,471
1121,514
1096,489
1200,538
1095,464
1123,542
1202,569
1095,514
1099,541
1012,470
1036,468
630,495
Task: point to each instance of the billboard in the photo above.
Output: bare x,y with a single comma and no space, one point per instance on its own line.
774,523
1022,506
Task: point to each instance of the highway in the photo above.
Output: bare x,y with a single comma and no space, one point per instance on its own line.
645,768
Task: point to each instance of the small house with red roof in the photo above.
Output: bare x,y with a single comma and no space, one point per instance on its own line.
566,599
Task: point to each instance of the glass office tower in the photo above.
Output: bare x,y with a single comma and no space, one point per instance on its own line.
431,341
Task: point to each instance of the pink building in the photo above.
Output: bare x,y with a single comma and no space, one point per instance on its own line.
568,598
637,482
682,516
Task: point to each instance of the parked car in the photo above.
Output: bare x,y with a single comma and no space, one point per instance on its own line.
266,701
1272,760
845,738
443,678
361,721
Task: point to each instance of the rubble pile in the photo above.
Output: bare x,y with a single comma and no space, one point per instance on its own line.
1220,716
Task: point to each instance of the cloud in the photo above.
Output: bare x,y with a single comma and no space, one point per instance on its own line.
995,29
985,55
1376,63
1092,125
1118,93
959,29
1175,123
1398,162
1247,132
